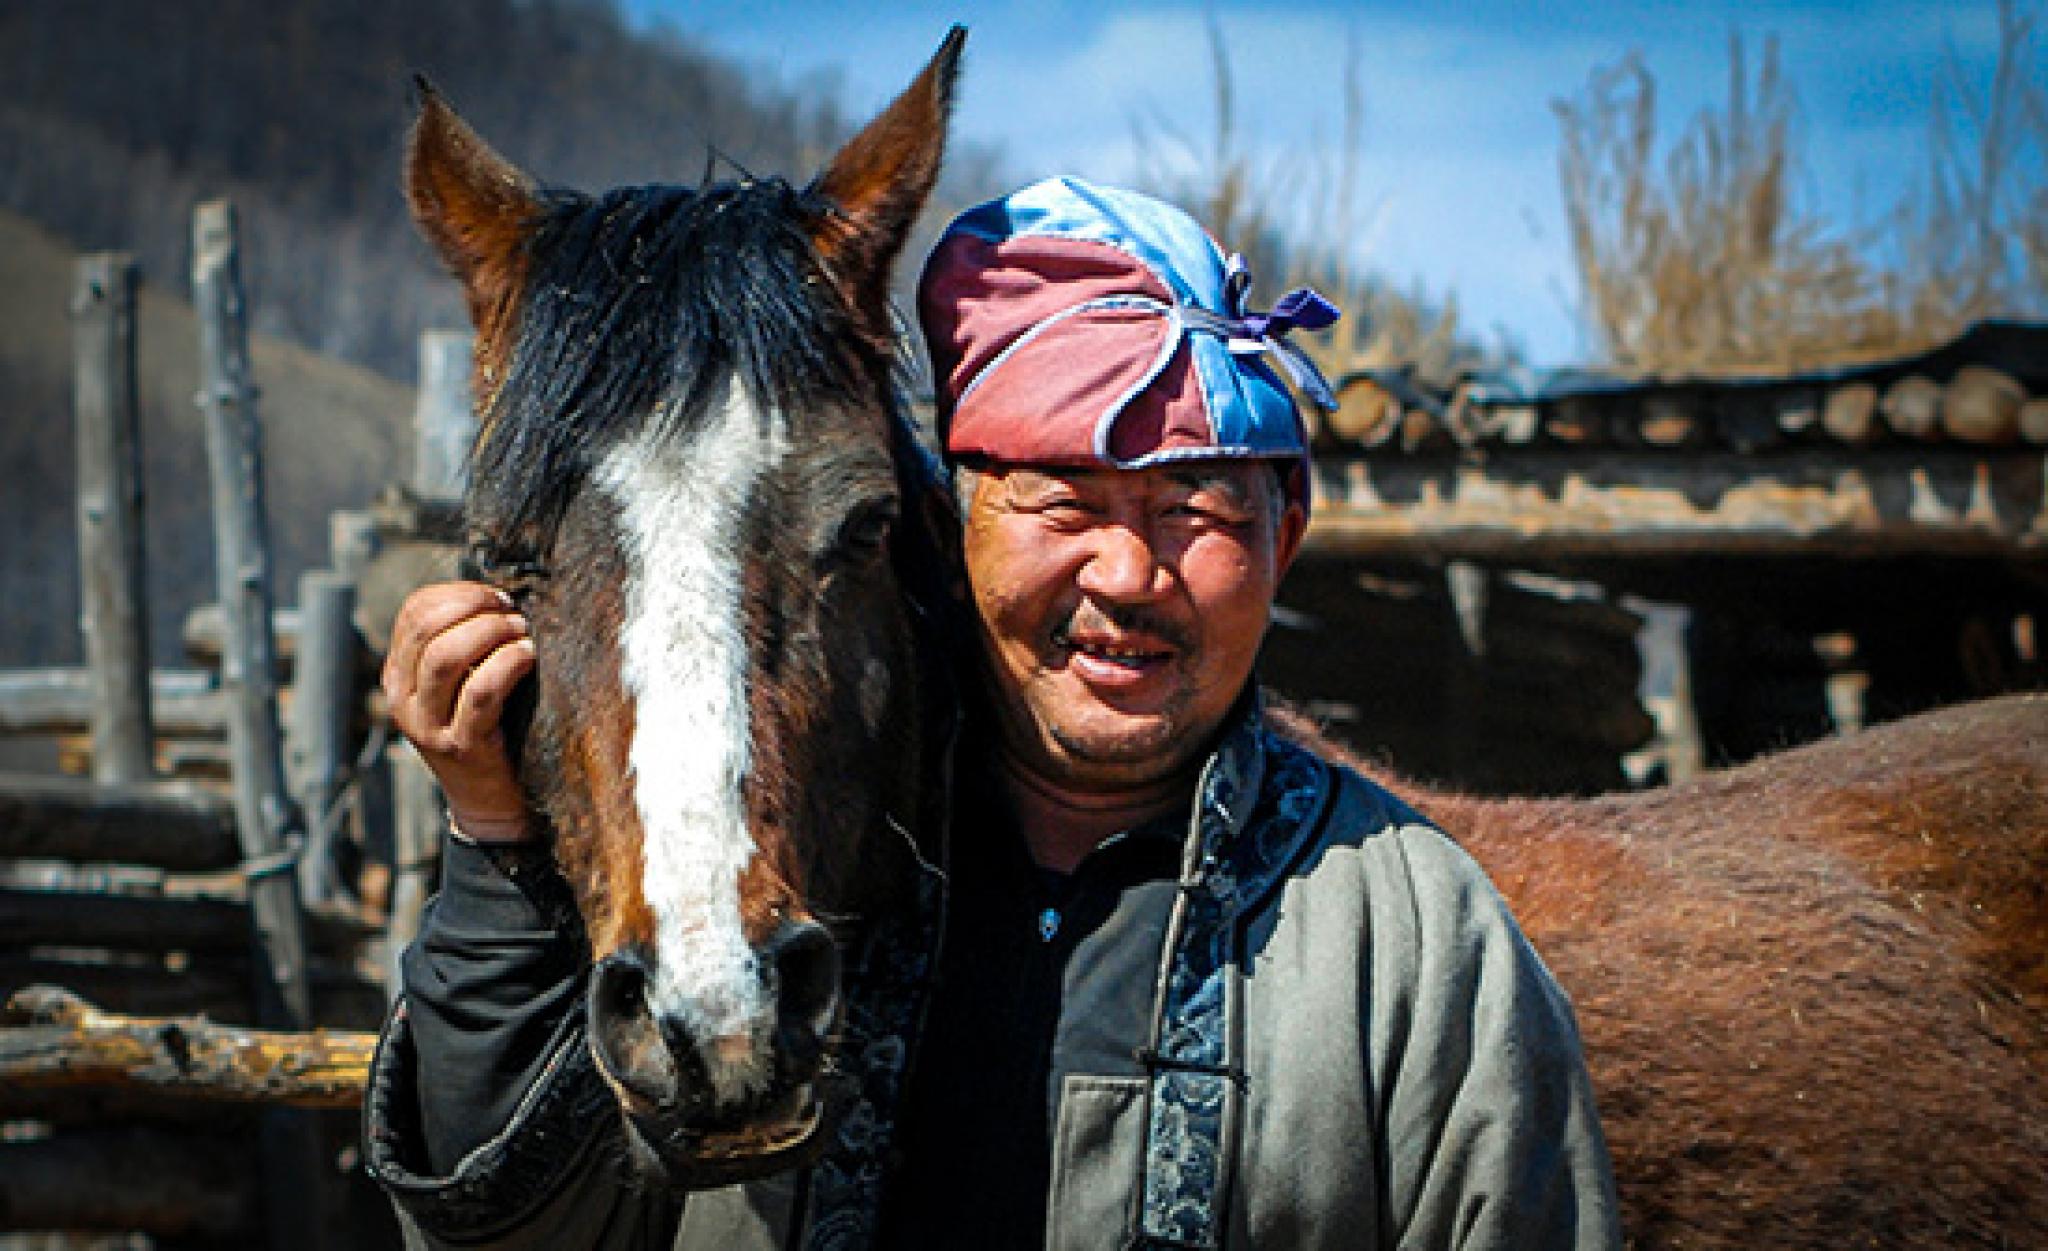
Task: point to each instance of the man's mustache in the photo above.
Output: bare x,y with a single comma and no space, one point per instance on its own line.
1091,618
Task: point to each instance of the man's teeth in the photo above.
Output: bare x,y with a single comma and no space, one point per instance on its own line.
1107,652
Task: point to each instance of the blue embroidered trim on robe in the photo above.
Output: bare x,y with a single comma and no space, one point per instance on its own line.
1260,799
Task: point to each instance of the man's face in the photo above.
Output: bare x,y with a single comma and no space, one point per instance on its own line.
1121,610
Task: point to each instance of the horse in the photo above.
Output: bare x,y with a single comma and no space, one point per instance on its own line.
1810,989
1813,990
687,475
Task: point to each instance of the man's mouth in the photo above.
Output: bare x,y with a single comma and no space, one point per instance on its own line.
1126,654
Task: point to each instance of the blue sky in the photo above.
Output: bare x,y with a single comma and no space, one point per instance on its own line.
1459,177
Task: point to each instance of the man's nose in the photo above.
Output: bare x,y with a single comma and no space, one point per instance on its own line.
1124,566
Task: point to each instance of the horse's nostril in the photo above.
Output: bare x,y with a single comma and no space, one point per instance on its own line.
806,964
620,986
624,1036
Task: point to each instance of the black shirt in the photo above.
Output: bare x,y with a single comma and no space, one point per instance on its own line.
1041,975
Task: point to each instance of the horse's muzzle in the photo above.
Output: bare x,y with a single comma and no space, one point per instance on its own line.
660,1070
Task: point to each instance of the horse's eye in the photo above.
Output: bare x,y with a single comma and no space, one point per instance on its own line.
864,534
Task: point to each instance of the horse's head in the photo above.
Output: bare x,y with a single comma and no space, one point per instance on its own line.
684,473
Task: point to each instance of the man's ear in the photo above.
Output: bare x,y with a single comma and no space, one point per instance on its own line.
477,209
878,183
1287,542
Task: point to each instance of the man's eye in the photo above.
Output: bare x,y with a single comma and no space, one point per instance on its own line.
1214,512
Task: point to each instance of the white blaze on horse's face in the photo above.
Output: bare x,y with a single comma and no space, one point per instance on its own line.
684,662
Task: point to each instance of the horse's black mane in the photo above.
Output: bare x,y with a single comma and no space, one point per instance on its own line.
637,302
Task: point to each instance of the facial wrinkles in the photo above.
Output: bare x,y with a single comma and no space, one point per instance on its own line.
684,660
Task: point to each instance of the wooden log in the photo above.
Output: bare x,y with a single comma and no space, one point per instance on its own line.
1513,423
165,825
1575,421
55,1038
150,1181
1367,413
323,699
114,613
1422,431
1982,405
1850,415
205,637
1671,421
199,924
1912,407
2033,421
60,701
1797,409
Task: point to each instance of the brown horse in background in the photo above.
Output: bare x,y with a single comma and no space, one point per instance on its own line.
1814,989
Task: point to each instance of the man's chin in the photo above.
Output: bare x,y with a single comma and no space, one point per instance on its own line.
1149,744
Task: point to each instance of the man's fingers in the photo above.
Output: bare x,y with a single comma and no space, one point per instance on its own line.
482,700
427,614
449,659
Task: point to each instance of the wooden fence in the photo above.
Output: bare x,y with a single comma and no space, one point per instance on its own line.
197,935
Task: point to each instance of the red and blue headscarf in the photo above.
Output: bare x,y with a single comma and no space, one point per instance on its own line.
1083,325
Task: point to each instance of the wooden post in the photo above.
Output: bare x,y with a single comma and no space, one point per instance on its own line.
263,812
249,657
1470,588
323,692
443,420
115,615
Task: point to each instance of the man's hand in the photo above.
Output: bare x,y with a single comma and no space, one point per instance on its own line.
457,651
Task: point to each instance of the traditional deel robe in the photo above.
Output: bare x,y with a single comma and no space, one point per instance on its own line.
1349,1044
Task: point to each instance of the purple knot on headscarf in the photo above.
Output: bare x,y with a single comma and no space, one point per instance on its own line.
1247,333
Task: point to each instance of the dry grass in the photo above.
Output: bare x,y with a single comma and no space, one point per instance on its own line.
1700,259
1250,202
1975,240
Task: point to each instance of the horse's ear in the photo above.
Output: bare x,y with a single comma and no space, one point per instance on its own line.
878,182
476,208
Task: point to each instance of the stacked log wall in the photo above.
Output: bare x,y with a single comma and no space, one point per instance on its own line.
164,883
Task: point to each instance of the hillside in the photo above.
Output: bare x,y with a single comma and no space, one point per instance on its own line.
334,433
117,115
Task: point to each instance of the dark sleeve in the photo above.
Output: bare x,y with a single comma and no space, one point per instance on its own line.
498,966
485,1119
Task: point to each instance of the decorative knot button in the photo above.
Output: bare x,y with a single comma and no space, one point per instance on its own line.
1048,924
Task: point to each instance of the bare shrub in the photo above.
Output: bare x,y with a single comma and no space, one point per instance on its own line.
1701,259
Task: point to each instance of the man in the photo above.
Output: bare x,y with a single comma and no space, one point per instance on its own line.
1199,988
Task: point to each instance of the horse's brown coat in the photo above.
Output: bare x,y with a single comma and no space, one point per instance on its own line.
1812,988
